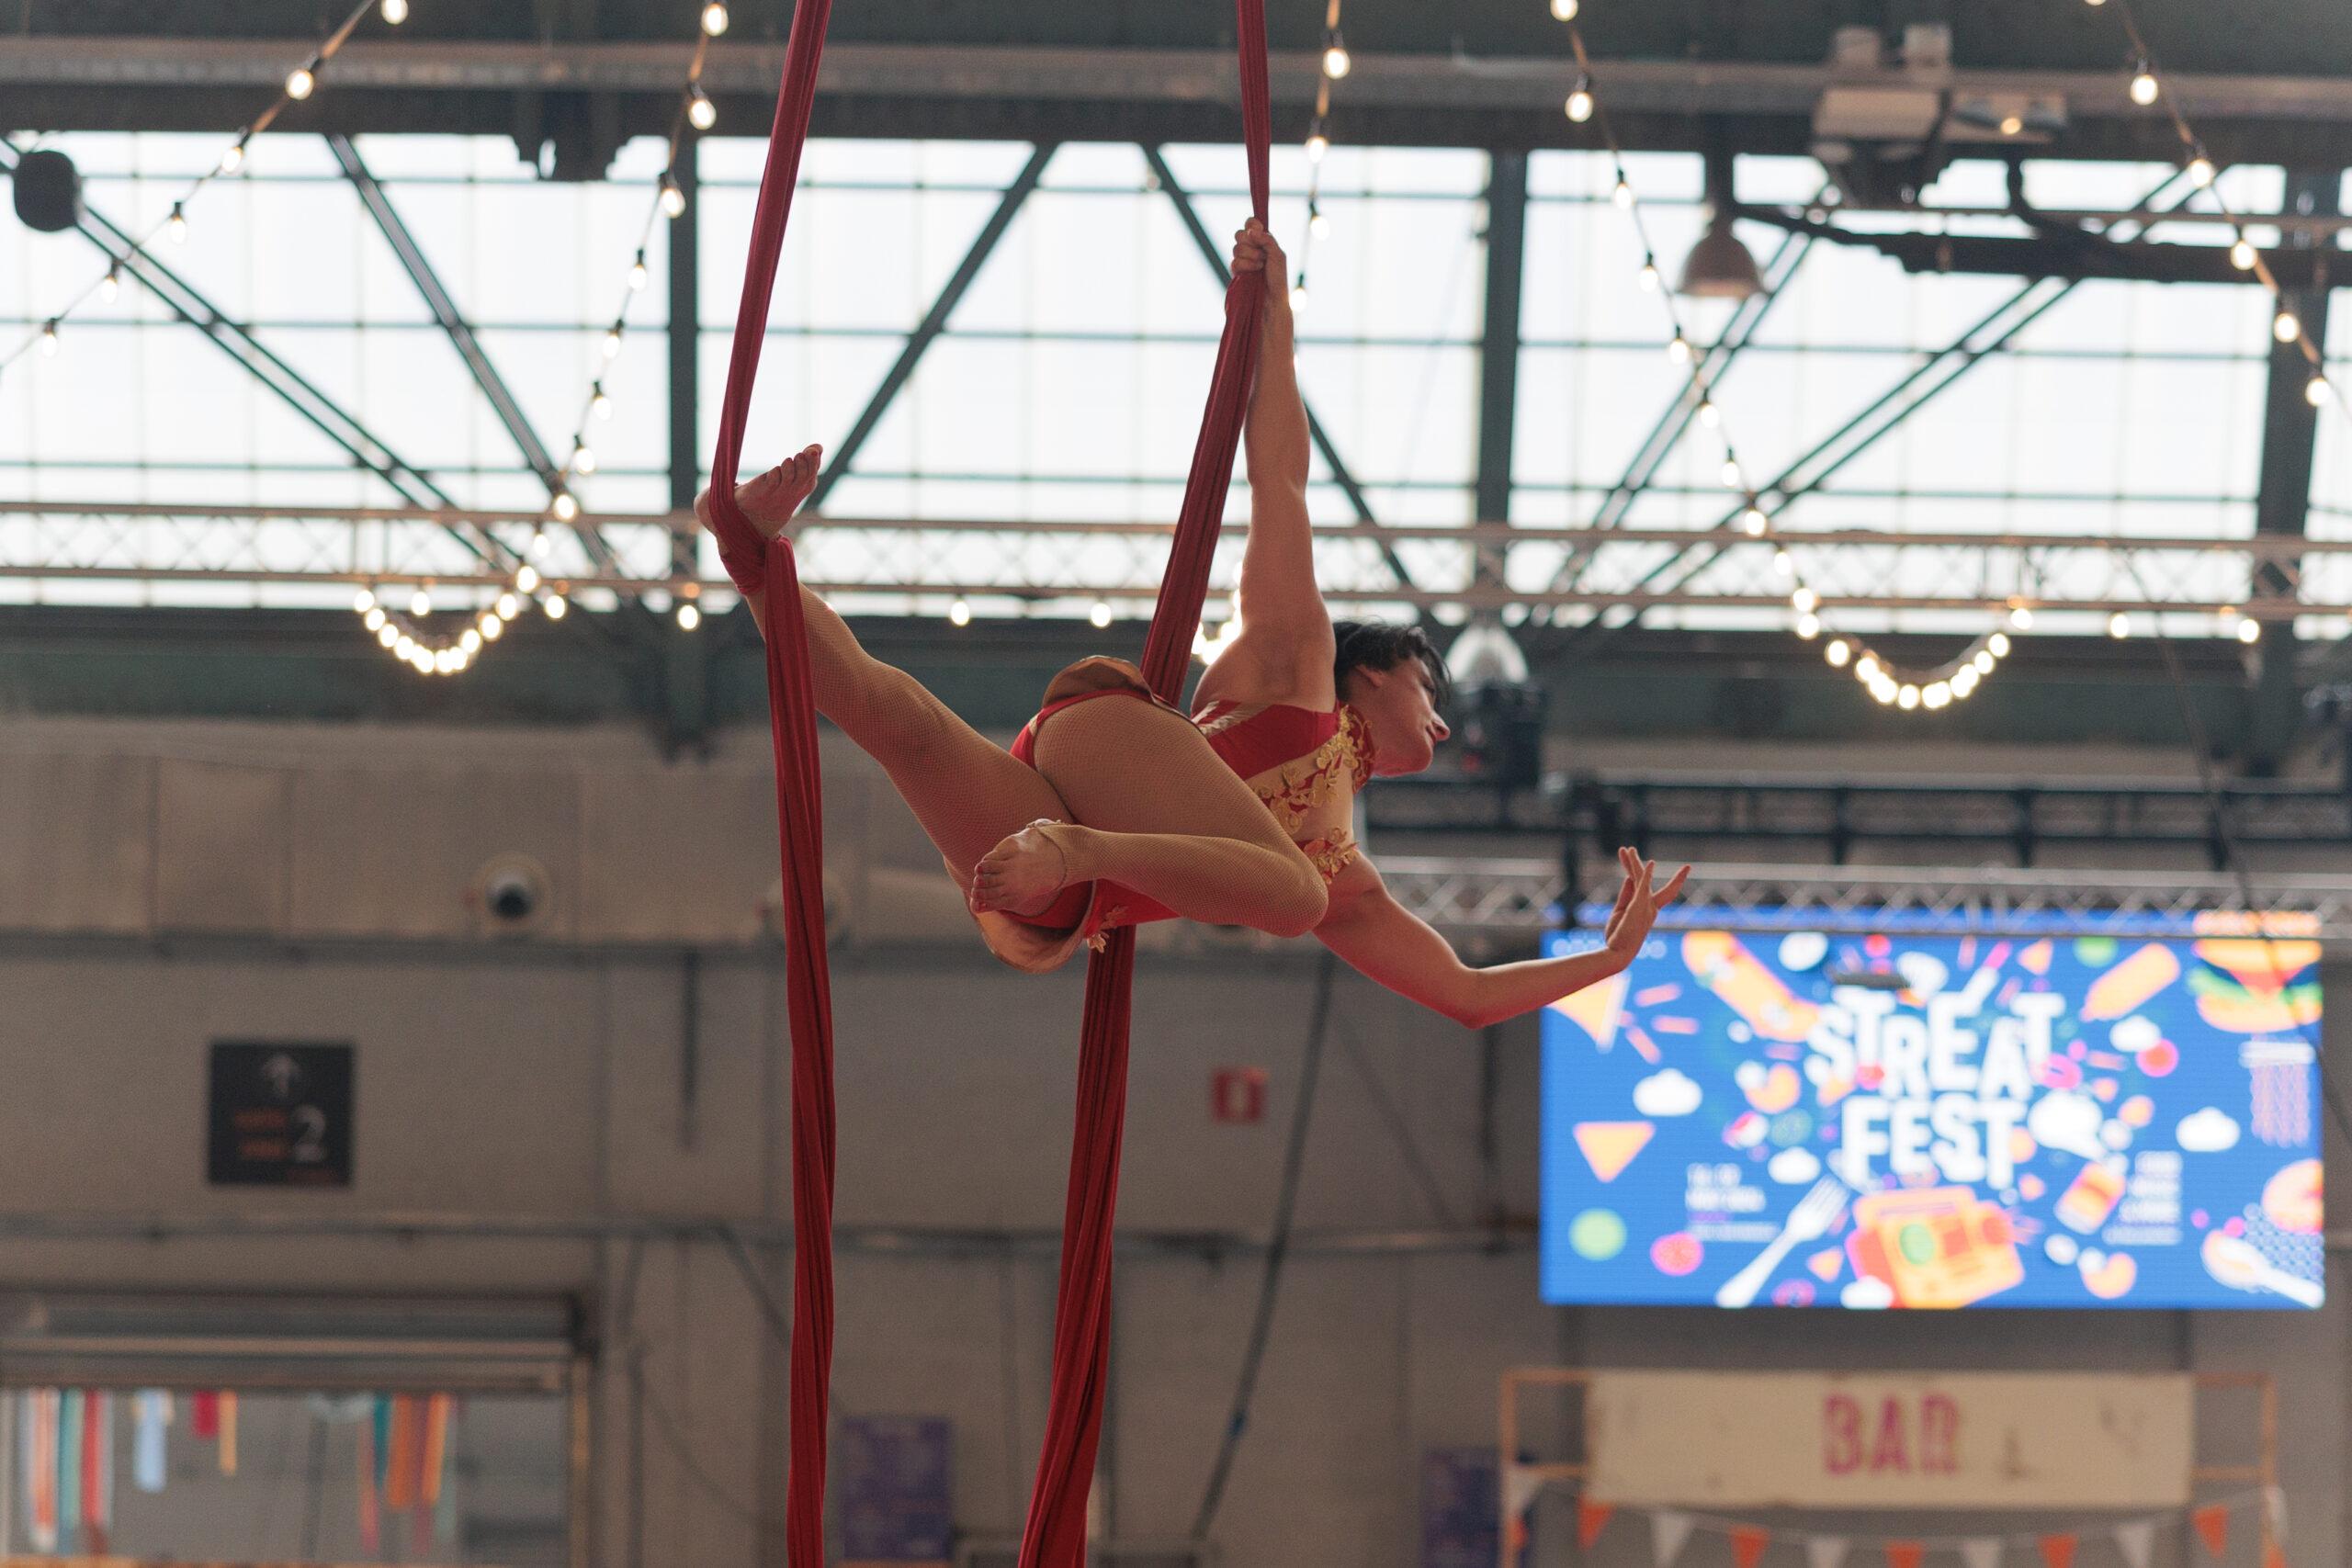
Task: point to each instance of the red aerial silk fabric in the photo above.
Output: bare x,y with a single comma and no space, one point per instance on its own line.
1055,1536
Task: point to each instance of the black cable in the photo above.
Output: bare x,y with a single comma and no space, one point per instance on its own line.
1286,1204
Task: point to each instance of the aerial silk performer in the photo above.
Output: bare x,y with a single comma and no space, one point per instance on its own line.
1113,807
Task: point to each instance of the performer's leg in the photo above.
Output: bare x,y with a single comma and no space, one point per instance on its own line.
968,792
1160,813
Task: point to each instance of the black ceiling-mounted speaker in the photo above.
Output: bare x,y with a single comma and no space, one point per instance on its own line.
49,191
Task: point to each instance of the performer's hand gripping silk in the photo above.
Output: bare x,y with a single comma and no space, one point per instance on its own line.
1113,808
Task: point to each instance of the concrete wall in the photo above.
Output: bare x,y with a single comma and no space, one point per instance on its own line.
544,1080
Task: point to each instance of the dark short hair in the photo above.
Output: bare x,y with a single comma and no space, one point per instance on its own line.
1375,645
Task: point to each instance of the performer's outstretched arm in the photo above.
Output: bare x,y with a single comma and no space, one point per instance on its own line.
1283,650
1389,943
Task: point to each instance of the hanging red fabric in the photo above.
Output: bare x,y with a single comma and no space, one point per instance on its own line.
1055,1535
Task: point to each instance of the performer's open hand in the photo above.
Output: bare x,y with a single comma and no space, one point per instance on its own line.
1638,904
769,500
1255,250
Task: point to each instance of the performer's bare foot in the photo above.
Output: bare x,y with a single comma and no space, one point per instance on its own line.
1022,875
769,500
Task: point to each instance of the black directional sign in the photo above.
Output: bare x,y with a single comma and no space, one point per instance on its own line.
281,1114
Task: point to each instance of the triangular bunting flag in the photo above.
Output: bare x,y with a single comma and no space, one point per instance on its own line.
1668,1530
2212,1524
1904,1553
1747,1544
2058,1551
1824,1551
1982,1552
1591,1519
2137,1542
1521,1484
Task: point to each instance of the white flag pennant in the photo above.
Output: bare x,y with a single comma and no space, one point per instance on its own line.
1982,1552
2274,1499
1825,1551
1522,1483
2137,1541
1668,1530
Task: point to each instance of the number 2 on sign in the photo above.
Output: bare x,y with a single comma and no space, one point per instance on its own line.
1901,1436
311,1137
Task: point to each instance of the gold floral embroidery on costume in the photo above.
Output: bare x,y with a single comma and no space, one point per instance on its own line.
1332,853
1296,789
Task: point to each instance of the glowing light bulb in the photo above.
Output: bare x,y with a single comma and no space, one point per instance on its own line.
2021,615
1565,10
1938,694
374,618
1964,680
492,627
540,543
419,604
1908,696
714,18
2249,631
507,608
2118,626
2316,392
1318,223
1731,473
2012,125
1837,653
1997,645
1982,662
300,83
555,605
1319,144
1649,278
1806,600
567,505
689,617
1808,627
1868,670
1678,349
601,405
526,579
178,224
1298,297
404,647
1100,613
2242,254
1337,63
959,613
49,338
700,111
470,642
233,158
1883,691
1710,415
2286,326
1623,193
673,198
2143,85
1754,520
110,285
395,12
1579,105
386,635
637,275
1784,563
583,460
2201,172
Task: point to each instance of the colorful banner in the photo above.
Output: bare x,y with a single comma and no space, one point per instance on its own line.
1958,1440
1805,1119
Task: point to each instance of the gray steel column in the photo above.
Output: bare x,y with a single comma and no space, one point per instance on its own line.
1499,354
2282,498
685,664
